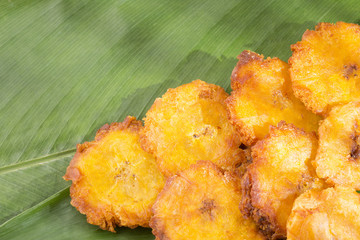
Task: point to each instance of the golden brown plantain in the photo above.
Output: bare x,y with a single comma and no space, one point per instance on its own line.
114,181
338,158
189,123
262,96
281,170
201,203
333,213
325,65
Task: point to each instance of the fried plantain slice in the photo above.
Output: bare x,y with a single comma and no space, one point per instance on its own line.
114,181
189,123
262,96
201,203
325,65
338,158
281,170
333,213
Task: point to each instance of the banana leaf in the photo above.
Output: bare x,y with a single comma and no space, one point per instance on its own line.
68,67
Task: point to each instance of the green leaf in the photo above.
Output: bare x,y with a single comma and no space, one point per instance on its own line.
68,67
46,221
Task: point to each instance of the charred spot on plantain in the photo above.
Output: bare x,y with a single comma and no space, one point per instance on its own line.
243,146
355,147
207,207
355,152
207,131
207,94
237,165
264,226
350,71
123,173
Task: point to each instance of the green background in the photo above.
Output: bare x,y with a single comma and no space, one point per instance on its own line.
69,66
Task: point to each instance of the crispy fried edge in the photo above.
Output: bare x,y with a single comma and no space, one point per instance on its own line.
72,173
129,123
158,229
247,134
151,148
245,58
266,220
299,49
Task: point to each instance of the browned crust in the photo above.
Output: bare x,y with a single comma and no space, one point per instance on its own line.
158,228
262,220
265,218
96,216
129,123
245,58
240,169
299,49
324,26
93,216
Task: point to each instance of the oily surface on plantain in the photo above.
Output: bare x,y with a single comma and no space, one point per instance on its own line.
262,96
281,170
201,203
338,158
333,213
189,123
325,66
114,181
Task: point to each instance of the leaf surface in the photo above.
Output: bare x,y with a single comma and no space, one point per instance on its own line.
68,67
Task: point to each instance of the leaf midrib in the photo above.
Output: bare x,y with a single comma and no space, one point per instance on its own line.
35,161
33,208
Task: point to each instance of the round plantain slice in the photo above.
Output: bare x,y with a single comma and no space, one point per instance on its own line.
281,170
333,213
201,203
338,158
114,181
262,96
325,66
189,123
